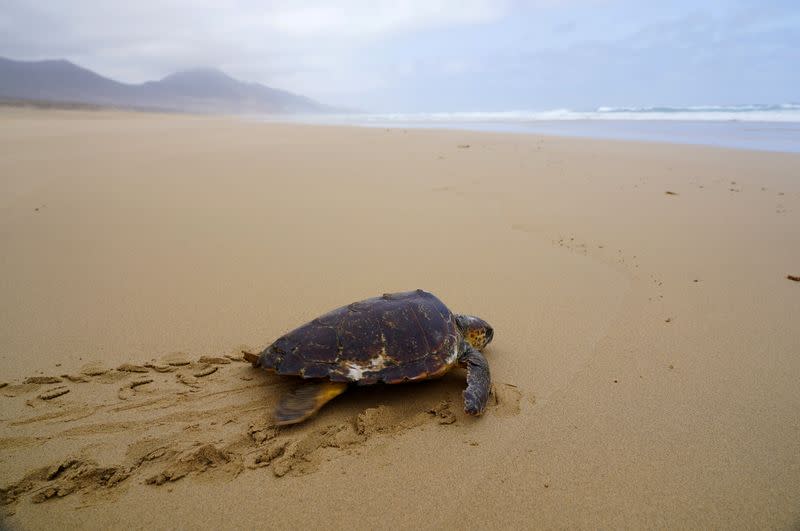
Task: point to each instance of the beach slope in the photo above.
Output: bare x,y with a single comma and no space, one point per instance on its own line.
645,359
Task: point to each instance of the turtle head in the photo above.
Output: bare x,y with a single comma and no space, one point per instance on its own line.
475,330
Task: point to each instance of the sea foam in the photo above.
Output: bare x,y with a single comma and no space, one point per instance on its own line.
786,112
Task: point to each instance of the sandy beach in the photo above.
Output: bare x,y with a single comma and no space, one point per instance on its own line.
646,359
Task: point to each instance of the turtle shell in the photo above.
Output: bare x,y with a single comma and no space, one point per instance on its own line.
391,339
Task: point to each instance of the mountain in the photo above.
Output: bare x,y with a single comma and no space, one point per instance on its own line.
197,90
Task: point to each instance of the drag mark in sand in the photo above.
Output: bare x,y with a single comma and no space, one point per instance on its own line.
100,430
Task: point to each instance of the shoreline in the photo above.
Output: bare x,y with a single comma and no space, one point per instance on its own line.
566,129
648,131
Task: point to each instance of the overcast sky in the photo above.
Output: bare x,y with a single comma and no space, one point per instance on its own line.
436,55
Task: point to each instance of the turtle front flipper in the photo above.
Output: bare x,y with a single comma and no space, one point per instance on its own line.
479,381
306,400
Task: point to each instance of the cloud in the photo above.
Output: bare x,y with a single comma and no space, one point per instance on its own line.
293,44
57,24
426,53
566,27
370,18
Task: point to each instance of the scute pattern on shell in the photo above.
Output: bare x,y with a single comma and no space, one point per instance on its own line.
391,339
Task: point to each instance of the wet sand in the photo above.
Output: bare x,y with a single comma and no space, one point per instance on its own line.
645,358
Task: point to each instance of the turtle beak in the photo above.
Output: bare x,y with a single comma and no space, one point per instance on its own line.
489,334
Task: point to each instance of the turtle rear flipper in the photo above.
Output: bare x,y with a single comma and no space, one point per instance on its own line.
251,357
306,400
479,381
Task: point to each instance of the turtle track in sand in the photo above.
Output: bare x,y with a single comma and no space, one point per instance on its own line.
97,430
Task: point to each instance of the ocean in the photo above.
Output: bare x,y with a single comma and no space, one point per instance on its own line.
769,127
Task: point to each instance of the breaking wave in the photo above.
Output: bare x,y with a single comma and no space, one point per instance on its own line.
773,127
785,112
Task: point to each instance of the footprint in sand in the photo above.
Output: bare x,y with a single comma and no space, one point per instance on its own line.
506,399
129,390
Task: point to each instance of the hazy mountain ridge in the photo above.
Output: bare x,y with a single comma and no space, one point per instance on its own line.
196,90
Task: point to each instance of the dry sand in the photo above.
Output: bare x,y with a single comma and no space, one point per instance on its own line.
646,357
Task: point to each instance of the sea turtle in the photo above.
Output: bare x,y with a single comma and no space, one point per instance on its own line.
395,338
